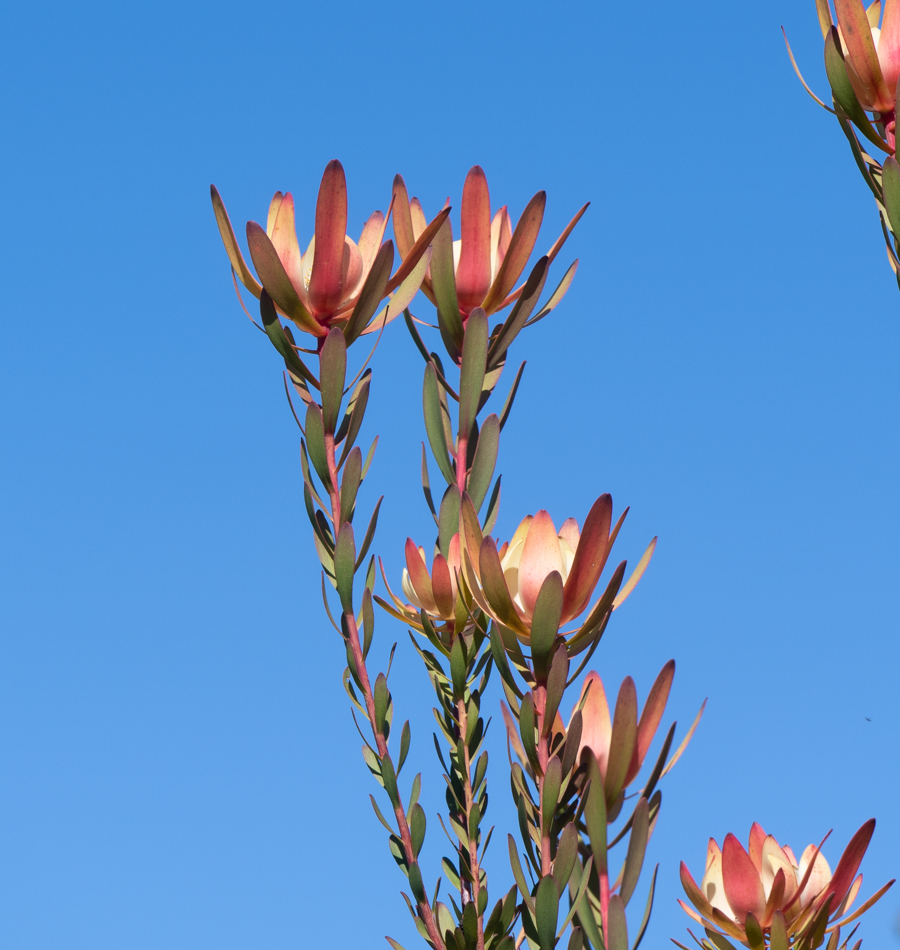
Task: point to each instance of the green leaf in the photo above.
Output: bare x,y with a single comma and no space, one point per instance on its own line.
556,686
576,940
498,651
566,852
526,730
276,334
578,898
458,667
545,624
389,776
368,621
485,461
381,817
416,885
637,845
333,374
434,426
470,924
231,245
373,290
350,485
622,740
890,182
443,280
518,874
493,508
448,518
353,418
417,827
370,530
547,912
404,745
426,486
573,740
398,946
344,566
471,373
507,406
382,697
595,813
778,939
577,885
520,312
649,907
617,925
315,443
550,792
754,933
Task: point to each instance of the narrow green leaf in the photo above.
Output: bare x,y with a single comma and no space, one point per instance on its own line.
458,667
448,518
333,375
344,566
507,406
279,339
470,925
443,280
578,899
350,485
368,620
578,883
617,925
373,290
382,697
648,907
485,461
370,531
518,874
890,182
389,776
550,792
566,852
547,912
493,508
545,624
404,745
778,939
416,885
526,730
576,940
520,312
595,813
356,411
471,374
637,845
434,426
381,817
417,827
556,686
315,442
573,740
426,486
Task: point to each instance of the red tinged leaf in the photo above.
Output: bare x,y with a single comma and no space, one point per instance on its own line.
419,576
284,240
596,725
276,281
442,587
857,34
521,245
651,717
743,887
695,895
473,273
495,589
622,741
540,557
274,205
590,558
226,232
371,239
501,232
889,44
849,864
403,226
757,839
325,281
415,253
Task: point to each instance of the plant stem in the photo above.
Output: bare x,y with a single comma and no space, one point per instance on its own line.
543,750
463,721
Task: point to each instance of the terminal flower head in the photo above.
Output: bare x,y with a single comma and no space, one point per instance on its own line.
336,281
766,889
871,53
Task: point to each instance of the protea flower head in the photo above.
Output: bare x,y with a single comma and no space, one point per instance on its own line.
871,53
490,255
508,581
337,281
764,893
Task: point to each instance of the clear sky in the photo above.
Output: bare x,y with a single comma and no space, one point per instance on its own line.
178,768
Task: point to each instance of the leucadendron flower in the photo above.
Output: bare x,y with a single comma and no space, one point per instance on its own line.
336,281
490,254
508,581
871,52
763,895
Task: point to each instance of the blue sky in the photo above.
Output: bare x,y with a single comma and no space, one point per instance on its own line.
177,764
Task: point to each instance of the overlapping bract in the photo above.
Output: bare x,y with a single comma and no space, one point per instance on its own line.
481,268
764,892
508,581
337,281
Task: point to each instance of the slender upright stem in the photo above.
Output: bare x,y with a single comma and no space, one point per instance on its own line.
463,720
543,750
359,660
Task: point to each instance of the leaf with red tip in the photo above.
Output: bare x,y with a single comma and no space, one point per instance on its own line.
863,907
326,278
403,226
495,589
274,205
636,575
684,742
621,743
651,717
849,864
276,281
590,558
695,895
473,272
743,888
540,557
231,245
501,232
558,243
521,245
442,586
403,296
596,725
419,576
857,34
757,840
371,239
284,240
